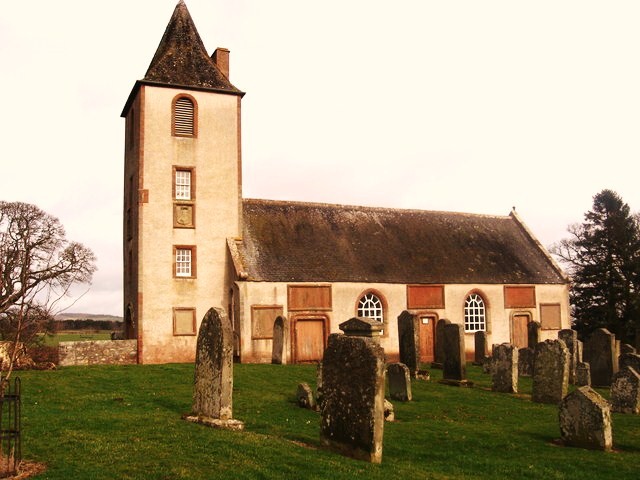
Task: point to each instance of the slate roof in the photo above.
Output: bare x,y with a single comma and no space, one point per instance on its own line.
310,242
181,58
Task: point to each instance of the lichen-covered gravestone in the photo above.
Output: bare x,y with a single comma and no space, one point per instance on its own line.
409,341
533,334
213,378
525,362
439,347
600,353
279,340
583,374
399,381
625,391
505,369
570,339
481,351
550,372
454,367
630,360
353,372
585,420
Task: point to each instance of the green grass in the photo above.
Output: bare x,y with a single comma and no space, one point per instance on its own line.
79,336
123,422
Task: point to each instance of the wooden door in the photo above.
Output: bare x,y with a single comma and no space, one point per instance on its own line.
309,339
519,334
427,329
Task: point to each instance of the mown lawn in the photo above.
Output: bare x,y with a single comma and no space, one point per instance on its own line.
124,422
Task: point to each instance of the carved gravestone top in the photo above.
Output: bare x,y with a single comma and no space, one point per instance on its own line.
585,420
362,327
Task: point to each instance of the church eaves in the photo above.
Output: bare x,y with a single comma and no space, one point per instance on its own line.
181,58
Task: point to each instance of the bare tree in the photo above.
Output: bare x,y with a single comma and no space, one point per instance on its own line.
38,266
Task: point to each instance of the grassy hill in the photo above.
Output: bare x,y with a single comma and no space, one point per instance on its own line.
88,316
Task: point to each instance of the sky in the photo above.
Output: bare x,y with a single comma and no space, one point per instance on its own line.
469,106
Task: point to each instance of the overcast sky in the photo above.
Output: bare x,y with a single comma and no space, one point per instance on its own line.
471,106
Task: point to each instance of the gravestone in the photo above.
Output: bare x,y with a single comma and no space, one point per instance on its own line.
439,347
583,374
585,420
409,341
279,340
626,348
533,334
525,362
319,385
481,351
550,372
399,381
353,369
213,378
505,369
570,339
625,391
630,360
600,353
580,351
389,411
304,396
454,367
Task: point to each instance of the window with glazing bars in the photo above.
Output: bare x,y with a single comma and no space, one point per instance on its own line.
183,184
183,262
370,306
474,314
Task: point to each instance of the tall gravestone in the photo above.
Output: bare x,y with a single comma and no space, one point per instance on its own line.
409,341
550,372
353,374
525,362
570,339
279,340
533,334
454,367
600,353
213,378
585,420
505,368
625,391
399,380
481,351
439,347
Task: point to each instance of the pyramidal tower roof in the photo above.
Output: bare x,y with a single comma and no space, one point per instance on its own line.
182,60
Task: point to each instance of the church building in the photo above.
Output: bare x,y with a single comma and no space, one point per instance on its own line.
191,241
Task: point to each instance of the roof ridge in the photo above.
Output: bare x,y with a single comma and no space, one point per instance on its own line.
366,207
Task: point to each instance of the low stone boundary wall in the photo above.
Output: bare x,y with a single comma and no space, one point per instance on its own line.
98,352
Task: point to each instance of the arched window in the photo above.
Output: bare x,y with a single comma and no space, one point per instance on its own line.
184,117
474,314
370,306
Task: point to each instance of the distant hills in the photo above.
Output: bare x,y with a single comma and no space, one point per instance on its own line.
87,316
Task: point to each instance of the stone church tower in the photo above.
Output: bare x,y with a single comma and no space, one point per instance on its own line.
182,192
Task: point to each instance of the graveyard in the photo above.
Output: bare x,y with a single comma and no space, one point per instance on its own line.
126,422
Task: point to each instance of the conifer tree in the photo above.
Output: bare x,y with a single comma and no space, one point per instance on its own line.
603,257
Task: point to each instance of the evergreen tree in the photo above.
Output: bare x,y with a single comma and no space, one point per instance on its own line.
603,257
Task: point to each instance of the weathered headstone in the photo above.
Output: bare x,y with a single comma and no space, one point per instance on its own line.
630,360
533,334
583,374
409,341
626,348
505,369
439,347
550,372
585,420
600,353
525,362
353,369
454,368
625,391
570,339
279,340
481,351
399,381
304,396
213,379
